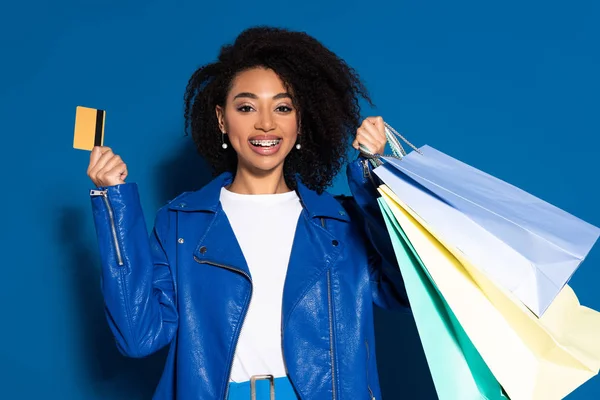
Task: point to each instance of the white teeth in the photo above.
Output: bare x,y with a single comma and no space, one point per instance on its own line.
265,143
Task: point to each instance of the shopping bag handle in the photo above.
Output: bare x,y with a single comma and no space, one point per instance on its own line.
398,151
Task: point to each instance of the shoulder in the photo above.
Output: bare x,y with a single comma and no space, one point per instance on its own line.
204,199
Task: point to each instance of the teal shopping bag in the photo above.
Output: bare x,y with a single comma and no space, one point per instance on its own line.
457,369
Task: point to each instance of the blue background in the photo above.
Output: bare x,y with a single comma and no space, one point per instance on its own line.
509,87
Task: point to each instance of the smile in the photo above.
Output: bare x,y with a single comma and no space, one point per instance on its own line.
265,143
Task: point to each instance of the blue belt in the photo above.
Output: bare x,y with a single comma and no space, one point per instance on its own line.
262,387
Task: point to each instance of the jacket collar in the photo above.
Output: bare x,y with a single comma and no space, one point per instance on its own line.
207,199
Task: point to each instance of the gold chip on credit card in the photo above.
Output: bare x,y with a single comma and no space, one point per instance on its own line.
89,128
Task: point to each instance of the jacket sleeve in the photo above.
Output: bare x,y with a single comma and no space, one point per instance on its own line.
386,280
137,283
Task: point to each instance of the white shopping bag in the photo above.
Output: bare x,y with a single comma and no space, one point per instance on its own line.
526,245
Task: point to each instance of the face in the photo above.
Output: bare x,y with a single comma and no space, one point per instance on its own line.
260,120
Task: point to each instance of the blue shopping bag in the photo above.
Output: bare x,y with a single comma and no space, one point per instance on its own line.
524,244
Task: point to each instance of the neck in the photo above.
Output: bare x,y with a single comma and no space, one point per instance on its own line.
258,182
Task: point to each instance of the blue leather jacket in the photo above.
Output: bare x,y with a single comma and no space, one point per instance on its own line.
188,286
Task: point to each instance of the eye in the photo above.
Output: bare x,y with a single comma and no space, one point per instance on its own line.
244,108
284,109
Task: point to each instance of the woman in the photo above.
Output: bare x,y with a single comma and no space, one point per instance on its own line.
260,274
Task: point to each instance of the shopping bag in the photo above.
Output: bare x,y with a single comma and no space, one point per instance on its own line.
532,358
457,369
526,245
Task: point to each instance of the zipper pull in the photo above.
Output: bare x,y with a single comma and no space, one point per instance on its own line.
95,193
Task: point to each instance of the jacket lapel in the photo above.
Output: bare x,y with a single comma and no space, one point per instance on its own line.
315,248
313,253
218,246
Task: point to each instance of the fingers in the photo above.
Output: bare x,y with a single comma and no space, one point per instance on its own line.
372,134
95,155
102,159
113,162
378,122
124,174
106,168
112,173
367,139
116,175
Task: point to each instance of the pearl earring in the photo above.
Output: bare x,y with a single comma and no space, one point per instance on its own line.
298,146
224,145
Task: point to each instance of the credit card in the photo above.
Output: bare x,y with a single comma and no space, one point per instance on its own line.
89,128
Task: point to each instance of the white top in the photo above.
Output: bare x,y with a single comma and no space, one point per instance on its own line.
264,226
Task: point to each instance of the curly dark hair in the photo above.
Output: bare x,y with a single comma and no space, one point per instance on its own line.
326,93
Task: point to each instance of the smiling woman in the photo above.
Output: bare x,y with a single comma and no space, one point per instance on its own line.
260,283
261,123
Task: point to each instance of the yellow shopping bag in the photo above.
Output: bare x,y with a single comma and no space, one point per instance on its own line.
532,358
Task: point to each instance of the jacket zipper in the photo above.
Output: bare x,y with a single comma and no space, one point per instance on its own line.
247,305
330,307
367,172
368,359
331,333
111,216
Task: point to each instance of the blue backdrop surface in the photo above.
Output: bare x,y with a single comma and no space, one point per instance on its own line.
509,87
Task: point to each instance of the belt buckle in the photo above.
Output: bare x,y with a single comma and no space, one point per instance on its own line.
255,378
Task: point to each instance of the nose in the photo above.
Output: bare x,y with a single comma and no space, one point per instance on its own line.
264,122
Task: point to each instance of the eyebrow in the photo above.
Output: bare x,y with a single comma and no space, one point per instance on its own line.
255,97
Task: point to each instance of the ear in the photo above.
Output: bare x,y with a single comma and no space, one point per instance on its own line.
221,118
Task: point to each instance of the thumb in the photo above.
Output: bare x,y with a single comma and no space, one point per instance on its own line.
95,155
